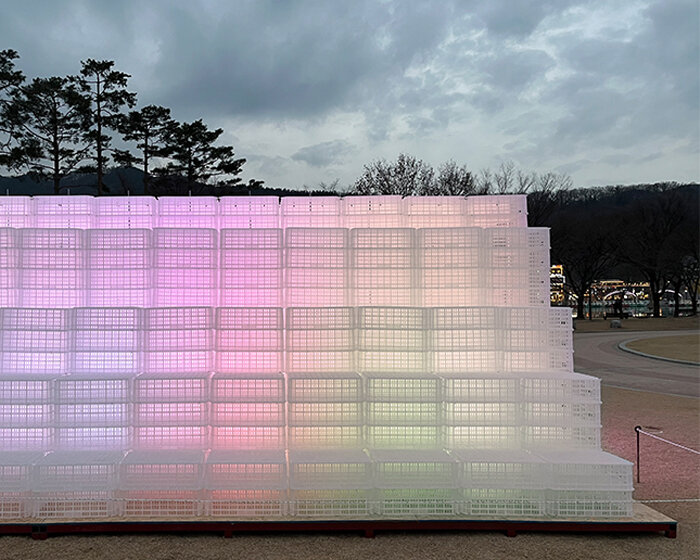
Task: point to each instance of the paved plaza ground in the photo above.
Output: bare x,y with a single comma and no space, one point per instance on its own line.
660,395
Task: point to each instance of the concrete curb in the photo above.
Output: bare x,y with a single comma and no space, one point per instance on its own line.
623,346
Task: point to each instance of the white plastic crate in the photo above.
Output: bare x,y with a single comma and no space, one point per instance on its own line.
443,295
248,437
448,238
503,502
194,361
171,387
481,437
330,469
62,471
16,469
26,439
254,340
385,296
501,468
183,340
251,259
402,413
28,388
320,362
588,504
188,211
173,414
534,361
247,414
161,504
517,237
181,258
481,413
63,211
418,502
243,297
107,338
89,504
465,362
248,362
16,212
474,388
323,318
171,437
382,211
15,505
90,388
319,339
466,340
175,286
249,212
52,258
322,288
569,414
578,437
326,437
246,503
495,205
78,438
401,387
248,387
387,339
106,361
560,387
178,470
331,504
45,363
262,239
184,238
324,387
464,318
403,437
448,257
376,238
315,238
116,240
438,207
258,469
124,212
43,238
411,468
93,414
35,319
26,415
383,258
42,341
587,470
312,211
325,414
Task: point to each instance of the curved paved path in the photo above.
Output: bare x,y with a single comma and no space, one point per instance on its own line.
597,354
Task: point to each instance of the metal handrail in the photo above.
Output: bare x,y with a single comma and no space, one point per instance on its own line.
640,430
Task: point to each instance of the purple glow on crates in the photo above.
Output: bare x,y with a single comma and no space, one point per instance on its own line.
310,357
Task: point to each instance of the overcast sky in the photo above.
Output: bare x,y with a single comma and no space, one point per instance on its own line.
311,90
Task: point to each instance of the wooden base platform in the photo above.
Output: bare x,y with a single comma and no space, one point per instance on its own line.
645,520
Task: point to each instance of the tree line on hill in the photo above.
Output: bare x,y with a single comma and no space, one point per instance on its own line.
53,127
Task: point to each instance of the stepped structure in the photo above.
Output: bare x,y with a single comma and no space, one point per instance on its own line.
309,357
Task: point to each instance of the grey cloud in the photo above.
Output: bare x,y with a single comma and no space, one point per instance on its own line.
324,154
524,76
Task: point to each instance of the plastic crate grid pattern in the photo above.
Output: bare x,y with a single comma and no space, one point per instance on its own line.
100,381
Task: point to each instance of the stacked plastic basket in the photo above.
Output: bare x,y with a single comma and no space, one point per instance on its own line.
313,357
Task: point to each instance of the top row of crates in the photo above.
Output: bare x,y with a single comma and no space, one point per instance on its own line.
134,212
